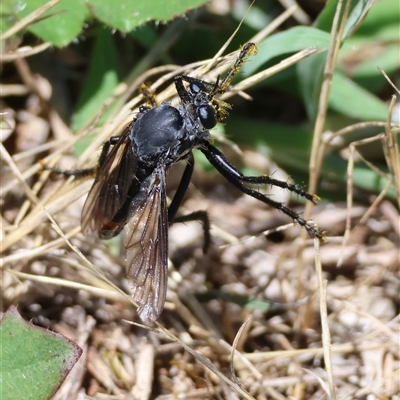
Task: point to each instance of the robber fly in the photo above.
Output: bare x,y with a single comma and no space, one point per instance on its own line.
130,189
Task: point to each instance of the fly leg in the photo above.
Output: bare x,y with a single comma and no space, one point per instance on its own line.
247,49
201,216
149,95
236,178
81,173
218,87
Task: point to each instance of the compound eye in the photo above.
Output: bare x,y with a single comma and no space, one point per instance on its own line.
207,116
196,87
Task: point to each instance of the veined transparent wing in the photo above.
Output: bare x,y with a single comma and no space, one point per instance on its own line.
110,189
146,244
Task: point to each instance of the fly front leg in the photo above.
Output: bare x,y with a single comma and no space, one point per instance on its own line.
234,176
149,95
190,79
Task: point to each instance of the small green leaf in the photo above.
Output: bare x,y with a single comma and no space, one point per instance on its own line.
365,178
34,361
126,15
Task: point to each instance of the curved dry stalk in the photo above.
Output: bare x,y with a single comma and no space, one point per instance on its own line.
26,51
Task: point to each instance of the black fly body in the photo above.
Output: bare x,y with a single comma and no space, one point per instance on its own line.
130,189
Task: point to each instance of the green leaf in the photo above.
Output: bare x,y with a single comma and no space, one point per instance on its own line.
325,18
290,41
384,13
358,11
34,361
8,16
352,100
63,23
346,96
126,15
101,80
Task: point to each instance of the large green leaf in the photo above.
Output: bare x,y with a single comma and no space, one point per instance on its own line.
386,59
63,23
346,96
33,361
352,100
126,15
290,41
8,15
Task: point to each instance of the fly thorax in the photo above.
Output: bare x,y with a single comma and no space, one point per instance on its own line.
157,131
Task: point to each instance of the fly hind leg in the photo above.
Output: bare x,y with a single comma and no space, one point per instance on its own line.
201,216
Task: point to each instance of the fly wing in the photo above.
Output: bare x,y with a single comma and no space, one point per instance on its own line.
146,244
110,189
